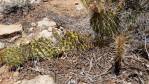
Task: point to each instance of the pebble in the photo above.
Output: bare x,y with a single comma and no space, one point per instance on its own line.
2,45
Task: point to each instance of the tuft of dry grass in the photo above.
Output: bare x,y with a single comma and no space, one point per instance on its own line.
120,42
105,23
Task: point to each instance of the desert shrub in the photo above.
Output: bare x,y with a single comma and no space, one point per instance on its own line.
105,23
12,56
44,49
74,40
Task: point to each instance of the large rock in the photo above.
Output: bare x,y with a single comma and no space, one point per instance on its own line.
45,23
48,35
42,79
10,29
6,4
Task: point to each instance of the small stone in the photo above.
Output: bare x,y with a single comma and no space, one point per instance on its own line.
82,83
33,24
52,24
128,83
2,45
78,6
50,29
35,1
31,35
1,8
41,79
31,29
147,65
72,81
1,16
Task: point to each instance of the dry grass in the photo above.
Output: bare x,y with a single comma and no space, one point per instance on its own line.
120,43
104,23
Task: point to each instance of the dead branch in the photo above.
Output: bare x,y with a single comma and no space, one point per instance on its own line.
145,42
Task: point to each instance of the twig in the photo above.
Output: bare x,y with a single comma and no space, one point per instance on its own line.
91,65
140,79
146,47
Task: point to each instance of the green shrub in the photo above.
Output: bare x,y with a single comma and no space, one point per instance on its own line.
44,49
13,56
74,40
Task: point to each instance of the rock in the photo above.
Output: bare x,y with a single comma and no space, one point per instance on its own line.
35,1
2,45
45,34
72,81
78,6
45,23
10,29
7,4
33,24
48,35
50,29
1,9
14,38
41,79
82,83
1,16
52,24
31,29
128,83
147,65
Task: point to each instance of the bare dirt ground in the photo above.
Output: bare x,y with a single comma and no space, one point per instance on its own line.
91,66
